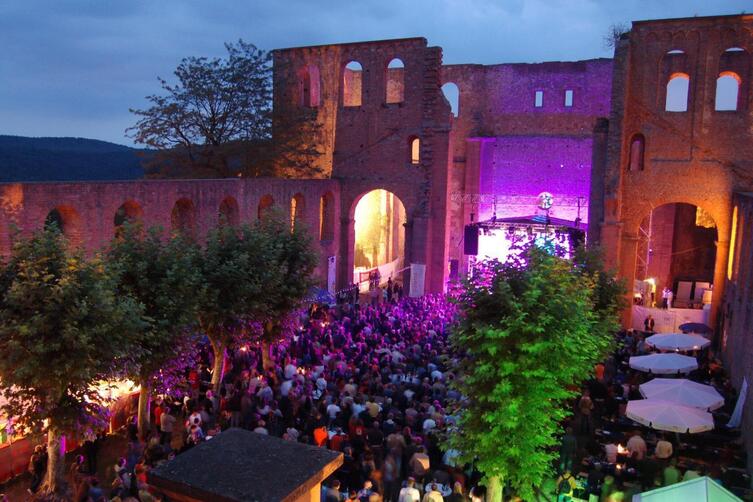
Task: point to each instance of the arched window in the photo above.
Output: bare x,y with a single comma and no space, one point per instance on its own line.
637,151
352,84
129,212
677,93
67,220
297,207
395,81
309,86
229,214
727,90
183,218
414,150
452,95
265,205
327,217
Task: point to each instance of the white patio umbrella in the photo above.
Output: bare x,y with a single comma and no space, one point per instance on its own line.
683,391
664,364
678,341
667,416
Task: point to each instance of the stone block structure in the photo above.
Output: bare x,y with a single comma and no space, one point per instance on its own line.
670,141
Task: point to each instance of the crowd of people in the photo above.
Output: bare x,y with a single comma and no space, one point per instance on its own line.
369,380
372,380
622,458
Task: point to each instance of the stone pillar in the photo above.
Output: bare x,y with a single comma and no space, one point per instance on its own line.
347,250
598,170
629,247
407,252
720,276
419,245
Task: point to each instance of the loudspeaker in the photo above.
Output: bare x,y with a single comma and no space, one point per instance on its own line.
470,240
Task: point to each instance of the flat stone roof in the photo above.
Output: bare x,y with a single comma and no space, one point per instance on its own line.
239,465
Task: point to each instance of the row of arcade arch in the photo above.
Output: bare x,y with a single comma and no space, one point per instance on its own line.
378,217
184,215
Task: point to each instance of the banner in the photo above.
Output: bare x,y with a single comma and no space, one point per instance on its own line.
417,274
331,274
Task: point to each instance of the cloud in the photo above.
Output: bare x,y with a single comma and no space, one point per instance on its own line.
74,68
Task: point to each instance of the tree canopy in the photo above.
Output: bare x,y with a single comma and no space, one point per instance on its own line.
252,273
63,329
216,121
531,329
161,275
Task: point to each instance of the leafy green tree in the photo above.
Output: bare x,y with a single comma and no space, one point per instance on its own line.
289,262
63,329
162,276
530,332
252,273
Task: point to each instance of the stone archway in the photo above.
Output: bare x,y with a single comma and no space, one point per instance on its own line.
379,242
129,212
67,220
684,240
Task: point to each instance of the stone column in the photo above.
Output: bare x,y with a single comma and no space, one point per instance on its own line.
628,249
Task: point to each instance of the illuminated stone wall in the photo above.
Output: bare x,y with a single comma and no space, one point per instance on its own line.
89,208
367,147
516,169
502,144
700,156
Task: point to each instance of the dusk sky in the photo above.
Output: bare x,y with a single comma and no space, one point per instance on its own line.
74,67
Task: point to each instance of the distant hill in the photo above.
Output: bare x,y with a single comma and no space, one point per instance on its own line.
67,159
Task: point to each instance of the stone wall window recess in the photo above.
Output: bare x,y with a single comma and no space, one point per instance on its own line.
352,84
568,98
538,100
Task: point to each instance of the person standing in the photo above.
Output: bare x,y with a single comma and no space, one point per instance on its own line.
636,444
585,406
409,493
649,324
167,425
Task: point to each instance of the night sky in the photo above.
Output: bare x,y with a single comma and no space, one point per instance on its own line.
74,67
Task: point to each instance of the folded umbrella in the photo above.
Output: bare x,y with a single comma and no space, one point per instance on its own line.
695,327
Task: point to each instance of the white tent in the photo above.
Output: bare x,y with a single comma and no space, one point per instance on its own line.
667,416
664,364
684,392
678,341
702,489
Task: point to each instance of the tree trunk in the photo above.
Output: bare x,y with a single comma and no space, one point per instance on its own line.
218,346
145,398
54,481
494,487
266,361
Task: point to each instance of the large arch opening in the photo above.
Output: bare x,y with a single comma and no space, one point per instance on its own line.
297,209
229,213
183,218
265,207
675,263
379,249
66,220
327,217
129,212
